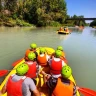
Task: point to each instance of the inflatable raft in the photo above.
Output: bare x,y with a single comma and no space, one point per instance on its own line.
40,82
63,32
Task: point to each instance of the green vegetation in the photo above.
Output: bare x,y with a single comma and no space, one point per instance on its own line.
75,22
93,24
35,12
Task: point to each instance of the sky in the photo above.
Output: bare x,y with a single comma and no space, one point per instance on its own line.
87,8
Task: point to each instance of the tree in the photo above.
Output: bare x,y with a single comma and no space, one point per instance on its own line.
74,16
46,11
0,5
93,23
11,5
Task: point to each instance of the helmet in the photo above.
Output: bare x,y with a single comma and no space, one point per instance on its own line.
22,69
42,50
66,71
31,56
33,46
58,53
60,48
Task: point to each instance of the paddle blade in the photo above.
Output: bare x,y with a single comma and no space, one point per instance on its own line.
16,62
3,72
87,92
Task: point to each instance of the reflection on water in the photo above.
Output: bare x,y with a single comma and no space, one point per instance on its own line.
93,32
64,36
76,30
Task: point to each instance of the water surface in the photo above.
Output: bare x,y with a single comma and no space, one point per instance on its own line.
79,46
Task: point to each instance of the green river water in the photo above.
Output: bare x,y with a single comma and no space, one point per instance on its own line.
79,46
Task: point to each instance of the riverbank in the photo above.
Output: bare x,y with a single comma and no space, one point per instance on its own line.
9,22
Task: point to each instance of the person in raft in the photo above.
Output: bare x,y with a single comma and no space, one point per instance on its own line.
20,85
33,66
33,47
61,29
61,49
63,54
56,64
64,28
61,86
42,59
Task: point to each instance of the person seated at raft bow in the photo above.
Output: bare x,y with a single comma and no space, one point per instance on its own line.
61,29
63,54
20,85
61,49
33,47
61,86
56,64
42,59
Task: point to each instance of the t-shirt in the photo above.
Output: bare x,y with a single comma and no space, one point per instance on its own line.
27,85
52,82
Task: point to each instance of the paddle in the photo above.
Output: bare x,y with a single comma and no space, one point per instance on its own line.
3,72
16,62
87,91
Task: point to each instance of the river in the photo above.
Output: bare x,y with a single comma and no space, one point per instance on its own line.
79,46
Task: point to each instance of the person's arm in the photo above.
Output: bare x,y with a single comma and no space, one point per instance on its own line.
49,62
36,92
33,87
47,57
63,63
46,76
0,93
37,67
75,90
3,90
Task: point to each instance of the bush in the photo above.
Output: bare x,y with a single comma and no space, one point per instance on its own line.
54,24
1,23
14,16
71,25
22,23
